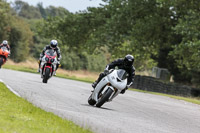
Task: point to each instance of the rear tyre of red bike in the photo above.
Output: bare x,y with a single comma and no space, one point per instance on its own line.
1,61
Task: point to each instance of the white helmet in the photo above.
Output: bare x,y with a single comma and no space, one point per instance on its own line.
53,43
5,43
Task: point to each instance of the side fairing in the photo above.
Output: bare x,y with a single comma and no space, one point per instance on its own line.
115,81
99,86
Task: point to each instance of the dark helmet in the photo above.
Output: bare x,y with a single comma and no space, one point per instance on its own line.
128,60
53,43
5,43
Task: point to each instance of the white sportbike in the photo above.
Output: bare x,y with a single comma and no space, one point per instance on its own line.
109,87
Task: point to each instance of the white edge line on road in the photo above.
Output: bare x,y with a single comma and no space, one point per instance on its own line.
11,89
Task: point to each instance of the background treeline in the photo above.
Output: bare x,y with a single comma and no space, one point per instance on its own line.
159,33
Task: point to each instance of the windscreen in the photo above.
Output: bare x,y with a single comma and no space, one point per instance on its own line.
50,52
4,48
122,74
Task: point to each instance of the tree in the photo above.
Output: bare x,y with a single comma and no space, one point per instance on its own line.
20,38
4,20
16,31
156,32
187,53
24,10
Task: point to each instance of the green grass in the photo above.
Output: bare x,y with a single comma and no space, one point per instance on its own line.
88,80
21,68
19,116
188,99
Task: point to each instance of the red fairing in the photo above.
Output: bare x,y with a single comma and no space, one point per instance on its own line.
49,61
47,67
4,54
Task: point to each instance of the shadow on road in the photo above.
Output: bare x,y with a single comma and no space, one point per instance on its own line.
97,107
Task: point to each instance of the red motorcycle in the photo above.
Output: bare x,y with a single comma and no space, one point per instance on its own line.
48,65
4,53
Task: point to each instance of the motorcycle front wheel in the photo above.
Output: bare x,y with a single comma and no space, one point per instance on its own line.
91,101
104,98
46,76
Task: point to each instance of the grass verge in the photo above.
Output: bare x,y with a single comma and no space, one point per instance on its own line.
61,75
19,116
188,99
88,80
20,68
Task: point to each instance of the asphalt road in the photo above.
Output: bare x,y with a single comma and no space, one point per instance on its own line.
133,112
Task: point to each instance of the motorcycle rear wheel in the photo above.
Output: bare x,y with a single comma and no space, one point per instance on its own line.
46,76
104,98
1,61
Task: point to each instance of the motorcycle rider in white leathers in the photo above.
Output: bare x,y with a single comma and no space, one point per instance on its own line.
5,44
53,45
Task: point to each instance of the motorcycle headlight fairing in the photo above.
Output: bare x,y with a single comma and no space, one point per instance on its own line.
47,59
52,60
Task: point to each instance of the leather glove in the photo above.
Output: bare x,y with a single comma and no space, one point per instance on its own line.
123,91
41,56
129,84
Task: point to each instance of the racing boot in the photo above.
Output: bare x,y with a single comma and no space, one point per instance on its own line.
38,70
57,66
101,75
94,84
54,74
39,62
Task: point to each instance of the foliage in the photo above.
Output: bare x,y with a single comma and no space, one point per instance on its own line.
187,53
21,39
23,9
84,61
4,20
157,32
16,31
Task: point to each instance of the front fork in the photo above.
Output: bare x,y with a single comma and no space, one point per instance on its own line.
97,91
116,92
45,66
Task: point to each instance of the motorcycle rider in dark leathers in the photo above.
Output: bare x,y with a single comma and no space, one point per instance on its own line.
53,45
122,63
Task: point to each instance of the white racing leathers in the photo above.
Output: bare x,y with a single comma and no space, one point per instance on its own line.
109,87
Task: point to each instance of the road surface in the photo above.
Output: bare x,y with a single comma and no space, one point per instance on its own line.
133,112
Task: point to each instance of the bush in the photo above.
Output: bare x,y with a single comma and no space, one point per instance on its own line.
83,61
